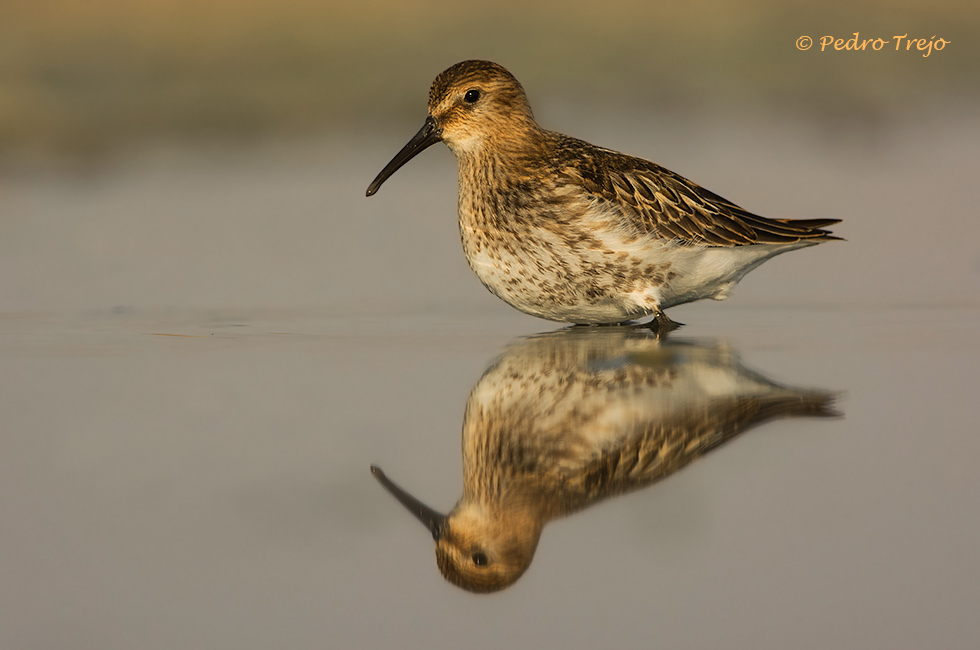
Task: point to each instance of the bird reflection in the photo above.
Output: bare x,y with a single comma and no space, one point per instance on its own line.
566,419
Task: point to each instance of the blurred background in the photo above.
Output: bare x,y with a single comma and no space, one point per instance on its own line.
95,77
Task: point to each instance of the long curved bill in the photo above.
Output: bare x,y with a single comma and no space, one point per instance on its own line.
427,136
434,521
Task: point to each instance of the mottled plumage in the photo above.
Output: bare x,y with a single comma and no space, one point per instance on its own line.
571,232
564,420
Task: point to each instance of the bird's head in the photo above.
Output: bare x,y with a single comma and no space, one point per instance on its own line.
470,104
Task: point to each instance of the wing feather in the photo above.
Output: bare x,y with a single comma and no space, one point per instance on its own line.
663,204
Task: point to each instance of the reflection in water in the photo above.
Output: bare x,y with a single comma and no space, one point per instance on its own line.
565,419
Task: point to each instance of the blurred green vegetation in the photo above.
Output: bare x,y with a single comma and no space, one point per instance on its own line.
82,76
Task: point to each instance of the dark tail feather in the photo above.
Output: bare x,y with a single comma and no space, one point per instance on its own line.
745,413
814,226
813,403
810,223
753,411
786,230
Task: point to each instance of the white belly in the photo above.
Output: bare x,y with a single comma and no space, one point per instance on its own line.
712,272
612,285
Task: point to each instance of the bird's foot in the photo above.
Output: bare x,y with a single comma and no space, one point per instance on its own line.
662,325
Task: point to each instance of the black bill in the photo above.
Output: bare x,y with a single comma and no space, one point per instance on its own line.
427,136
433,520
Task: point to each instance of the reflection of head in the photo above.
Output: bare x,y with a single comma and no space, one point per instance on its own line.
485,554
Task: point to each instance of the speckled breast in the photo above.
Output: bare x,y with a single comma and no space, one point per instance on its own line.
559,266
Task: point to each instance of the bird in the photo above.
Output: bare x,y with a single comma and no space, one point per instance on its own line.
571,232
563,420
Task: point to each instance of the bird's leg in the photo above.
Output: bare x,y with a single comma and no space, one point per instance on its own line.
662,325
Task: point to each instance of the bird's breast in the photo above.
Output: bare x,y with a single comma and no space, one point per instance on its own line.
561,259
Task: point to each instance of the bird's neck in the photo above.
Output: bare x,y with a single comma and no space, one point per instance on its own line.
503,154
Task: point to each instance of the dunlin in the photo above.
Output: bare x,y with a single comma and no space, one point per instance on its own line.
571,232
564,420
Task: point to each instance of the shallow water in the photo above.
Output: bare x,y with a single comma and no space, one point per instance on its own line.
201,353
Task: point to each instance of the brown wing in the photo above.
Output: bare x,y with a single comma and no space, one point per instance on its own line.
658,449
661,203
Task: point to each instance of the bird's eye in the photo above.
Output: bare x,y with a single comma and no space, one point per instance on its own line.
471,96
480,558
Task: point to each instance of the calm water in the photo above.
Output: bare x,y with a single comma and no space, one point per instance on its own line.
202,353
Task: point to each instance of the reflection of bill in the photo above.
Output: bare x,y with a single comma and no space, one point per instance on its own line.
566,419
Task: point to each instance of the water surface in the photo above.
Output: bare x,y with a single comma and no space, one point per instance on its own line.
201,353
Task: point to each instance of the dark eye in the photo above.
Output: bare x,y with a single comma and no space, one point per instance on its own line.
480,558
471,96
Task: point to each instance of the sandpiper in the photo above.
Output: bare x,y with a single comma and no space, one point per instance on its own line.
564,420
567,231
